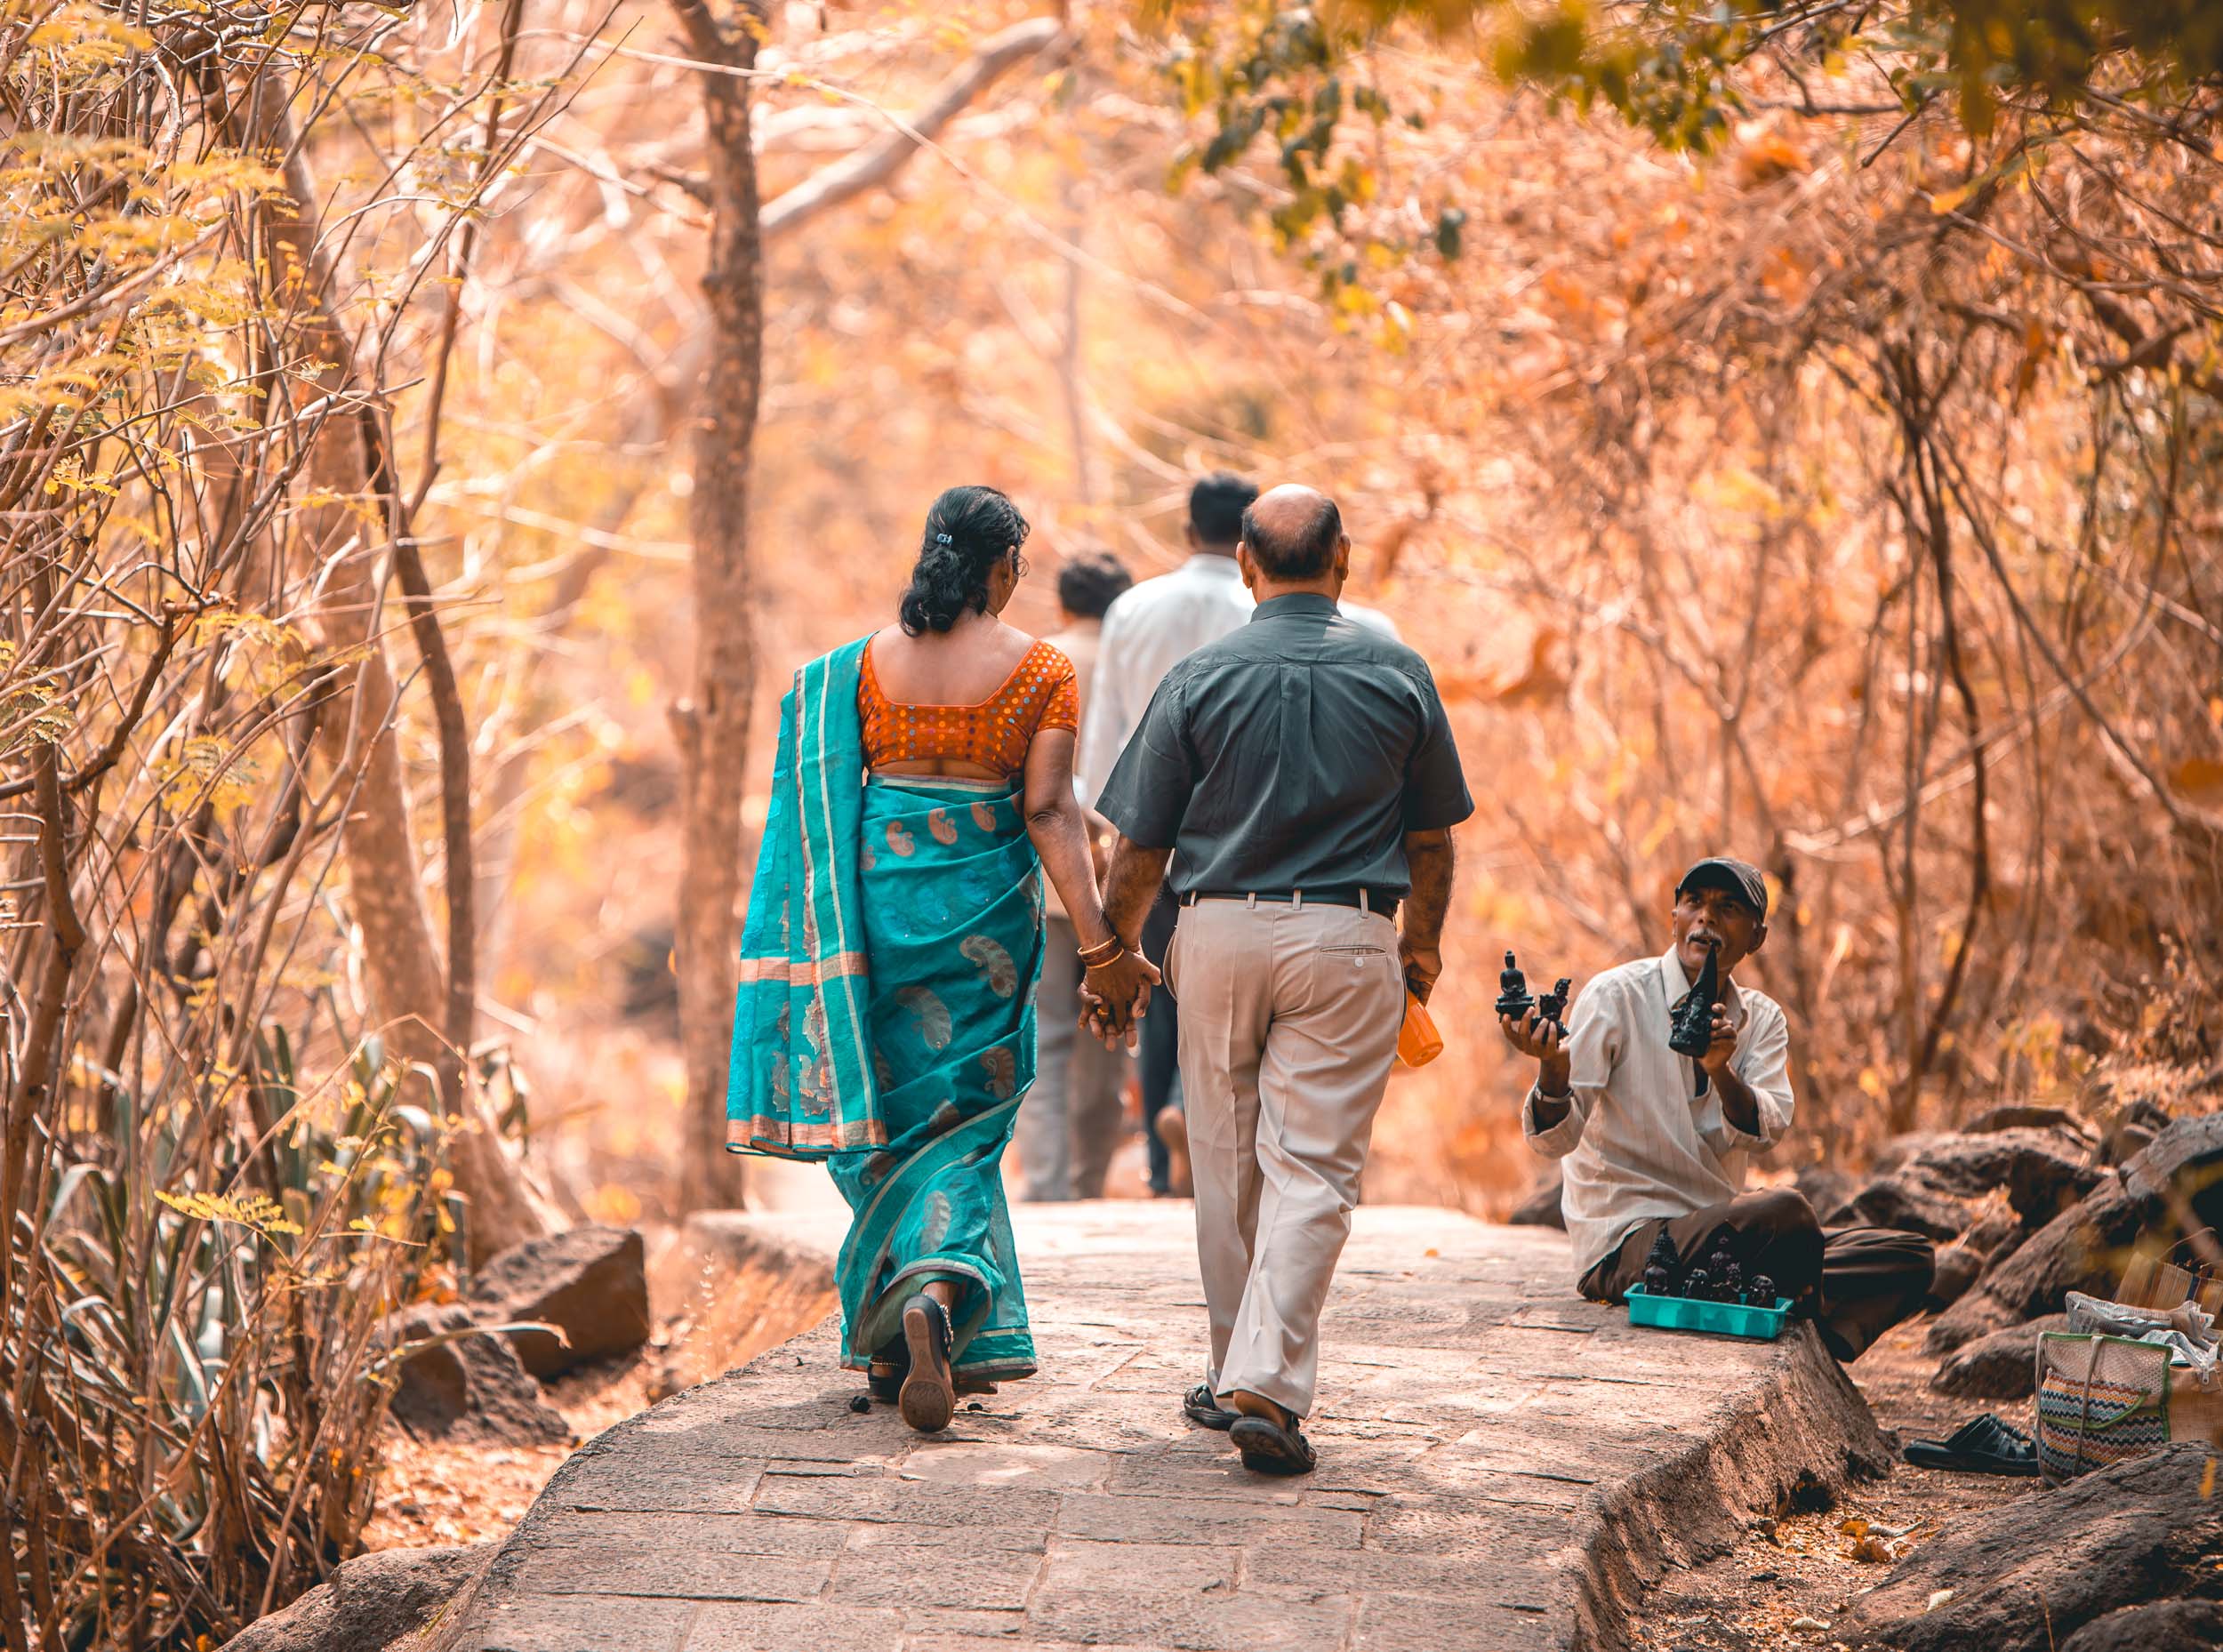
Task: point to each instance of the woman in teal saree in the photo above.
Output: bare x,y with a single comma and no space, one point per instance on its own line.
885,1018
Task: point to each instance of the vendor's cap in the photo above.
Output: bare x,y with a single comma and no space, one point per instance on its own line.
1737,877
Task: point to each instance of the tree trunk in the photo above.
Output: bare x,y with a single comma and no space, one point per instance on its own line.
385,884
712,723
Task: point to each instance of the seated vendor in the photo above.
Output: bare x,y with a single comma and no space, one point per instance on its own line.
1650,1140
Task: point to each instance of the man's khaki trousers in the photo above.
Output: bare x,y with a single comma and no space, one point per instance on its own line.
1289,1021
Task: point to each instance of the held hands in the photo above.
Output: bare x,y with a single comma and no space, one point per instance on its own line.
1116,995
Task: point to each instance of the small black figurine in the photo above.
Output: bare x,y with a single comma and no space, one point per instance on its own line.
1697,1287
1690,1025
1763,1291
1552,1007
1512,992
1733,1283
1662,1260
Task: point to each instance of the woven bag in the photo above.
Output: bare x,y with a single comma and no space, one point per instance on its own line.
2100,1401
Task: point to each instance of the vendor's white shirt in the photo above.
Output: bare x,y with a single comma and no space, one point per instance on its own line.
1636,1143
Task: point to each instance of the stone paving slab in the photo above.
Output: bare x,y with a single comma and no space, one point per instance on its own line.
1503,1467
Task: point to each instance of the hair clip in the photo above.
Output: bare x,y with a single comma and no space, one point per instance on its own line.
943,539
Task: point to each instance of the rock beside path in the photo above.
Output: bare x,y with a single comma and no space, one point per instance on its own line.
591,1282
1959,1267
1934,1185
2163,1626
2015,1116
373,1603
2027,1574
1542,1208
2084,1247
2002,1366
467,1385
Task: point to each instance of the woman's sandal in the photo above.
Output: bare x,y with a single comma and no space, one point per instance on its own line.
928,1397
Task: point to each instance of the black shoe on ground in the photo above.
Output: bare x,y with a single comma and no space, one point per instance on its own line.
1199,1405
1982,1446
928,1395
1270,1449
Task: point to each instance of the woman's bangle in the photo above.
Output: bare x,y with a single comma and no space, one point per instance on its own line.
1103,952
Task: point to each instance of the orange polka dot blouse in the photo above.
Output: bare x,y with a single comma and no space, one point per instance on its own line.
993,734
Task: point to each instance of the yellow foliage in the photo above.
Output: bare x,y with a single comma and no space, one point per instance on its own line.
256,1211
207,769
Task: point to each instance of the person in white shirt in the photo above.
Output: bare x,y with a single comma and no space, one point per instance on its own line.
1070,1126
1652,1141
1156,625
1373,619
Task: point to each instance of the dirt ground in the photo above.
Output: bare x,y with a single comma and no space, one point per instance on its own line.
1788,1581
710,1317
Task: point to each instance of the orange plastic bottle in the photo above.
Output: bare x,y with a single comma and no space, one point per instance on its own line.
1418,1042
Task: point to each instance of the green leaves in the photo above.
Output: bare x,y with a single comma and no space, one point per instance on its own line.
1668,66
1265,75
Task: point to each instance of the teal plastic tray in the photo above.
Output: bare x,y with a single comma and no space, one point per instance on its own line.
1718,1319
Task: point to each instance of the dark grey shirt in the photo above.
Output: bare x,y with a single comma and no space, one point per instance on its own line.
1294,754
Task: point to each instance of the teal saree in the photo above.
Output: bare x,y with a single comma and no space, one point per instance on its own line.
885,1019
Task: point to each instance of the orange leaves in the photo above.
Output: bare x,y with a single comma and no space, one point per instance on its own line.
1767,153
1540,679
2198,780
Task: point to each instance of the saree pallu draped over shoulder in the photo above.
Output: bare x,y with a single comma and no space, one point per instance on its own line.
800,1085
885,1021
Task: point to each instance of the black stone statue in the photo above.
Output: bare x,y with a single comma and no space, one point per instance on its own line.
1553,1006
1690,1030
1512,992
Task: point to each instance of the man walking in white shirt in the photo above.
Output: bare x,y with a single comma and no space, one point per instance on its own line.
1651,1142
1150,628
1070,1126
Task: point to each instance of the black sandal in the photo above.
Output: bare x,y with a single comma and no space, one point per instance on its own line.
1982,1446
1199,1405
1270,1447
928,1396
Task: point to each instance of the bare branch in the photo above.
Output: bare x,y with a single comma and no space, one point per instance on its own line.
875,165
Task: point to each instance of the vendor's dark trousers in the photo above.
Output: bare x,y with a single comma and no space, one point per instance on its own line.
1856,1283
1160,1043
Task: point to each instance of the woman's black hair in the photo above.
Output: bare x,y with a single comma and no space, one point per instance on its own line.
969,530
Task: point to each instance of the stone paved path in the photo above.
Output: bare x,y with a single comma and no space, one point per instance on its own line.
1501,1466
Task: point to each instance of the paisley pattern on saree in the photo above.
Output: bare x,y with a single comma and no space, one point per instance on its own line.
956,949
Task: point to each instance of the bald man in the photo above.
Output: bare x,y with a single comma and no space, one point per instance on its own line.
1303,769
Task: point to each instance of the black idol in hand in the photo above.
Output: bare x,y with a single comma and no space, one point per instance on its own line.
1512,992
1552,1007
1690,1027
